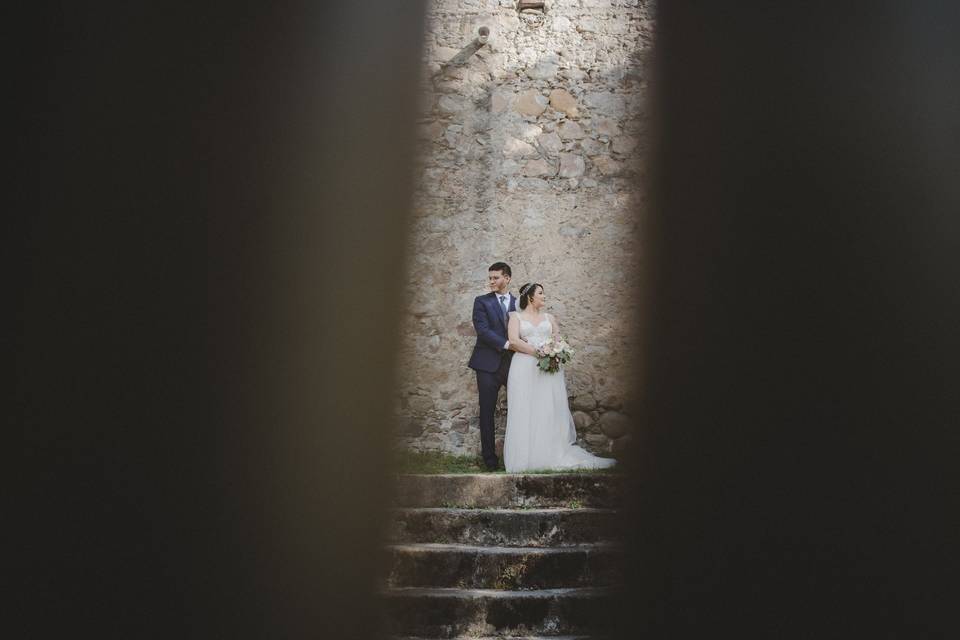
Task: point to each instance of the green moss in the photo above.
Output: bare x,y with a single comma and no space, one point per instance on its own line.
438,462
572,471
430,462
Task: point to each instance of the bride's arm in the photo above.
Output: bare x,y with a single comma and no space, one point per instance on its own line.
513,334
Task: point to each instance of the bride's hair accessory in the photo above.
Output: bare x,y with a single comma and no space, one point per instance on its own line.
526,291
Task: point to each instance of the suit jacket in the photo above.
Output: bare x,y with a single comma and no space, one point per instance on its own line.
489,354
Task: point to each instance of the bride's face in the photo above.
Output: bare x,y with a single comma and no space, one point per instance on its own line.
538,299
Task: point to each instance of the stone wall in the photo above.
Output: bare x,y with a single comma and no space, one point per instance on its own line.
530,155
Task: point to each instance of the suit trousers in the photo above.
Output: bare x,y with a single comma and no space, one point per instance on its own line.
488,386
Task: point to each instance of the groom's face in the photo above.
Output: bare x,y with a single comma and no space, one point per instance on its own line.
498,281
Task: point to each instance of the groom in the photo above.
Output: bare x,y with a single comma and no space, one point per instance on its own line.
491,355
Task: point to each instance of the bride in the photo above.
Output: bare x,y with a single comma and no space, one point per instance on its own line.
540,430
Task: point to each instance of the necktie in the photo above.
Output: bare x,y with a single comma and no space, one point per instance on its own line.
503,305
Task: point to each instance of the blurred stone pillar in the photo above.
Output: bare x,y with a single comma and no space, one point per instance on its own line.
216,210
799,339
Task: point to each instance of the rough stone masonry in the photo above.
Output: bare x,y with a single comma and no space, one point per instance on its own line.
529,154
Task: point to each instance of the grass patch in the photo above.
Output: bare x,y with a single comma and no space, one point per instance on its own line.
435,462
438,462
591,472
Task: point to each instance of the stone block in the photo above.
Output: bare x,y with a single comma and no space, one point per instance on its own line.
570,130
611,401
592,147
544,70
550,142
581,420
574,74
500,101
571,165
579,380
539,169
496,64
597,441
624,144
530,131
607,103
453,135
584,402
606,165
419,404
606,127
451,105
513,148
531,103
614,424
561,100
509,167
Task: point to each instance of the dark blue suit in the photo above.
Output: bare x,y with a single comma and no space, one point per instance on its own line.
491,362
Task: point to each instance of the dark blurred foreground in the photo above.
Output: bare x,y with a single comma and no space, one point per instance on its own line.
214,203
800,346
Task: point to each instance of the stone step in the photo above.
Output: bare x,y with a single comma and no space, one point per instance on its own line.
502,527
507,490
478,567
448,613
504,638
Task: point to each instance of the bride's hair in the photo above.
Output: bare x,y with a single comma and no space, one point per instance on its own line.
526,293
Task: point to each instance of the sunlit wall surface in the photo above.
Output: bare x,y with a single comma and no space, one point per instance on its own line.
530,153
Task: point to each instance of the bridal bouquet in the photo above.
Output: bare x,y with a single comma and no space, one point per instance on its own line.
553,353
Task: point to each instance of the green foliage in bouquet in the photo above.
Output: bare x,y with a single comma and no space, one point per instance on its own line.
553,353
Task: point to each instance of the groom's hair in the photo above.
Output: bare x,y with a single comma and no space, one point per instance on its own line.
526,293
502,267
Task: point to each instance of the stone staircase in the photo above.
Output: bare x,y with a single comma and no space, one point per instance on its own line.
503,555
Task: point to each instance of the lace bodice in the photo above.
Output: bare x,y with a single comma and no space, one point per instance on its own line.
537,334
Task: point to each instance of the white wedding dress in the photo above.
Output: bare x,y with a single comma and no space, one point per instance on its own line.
540,430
